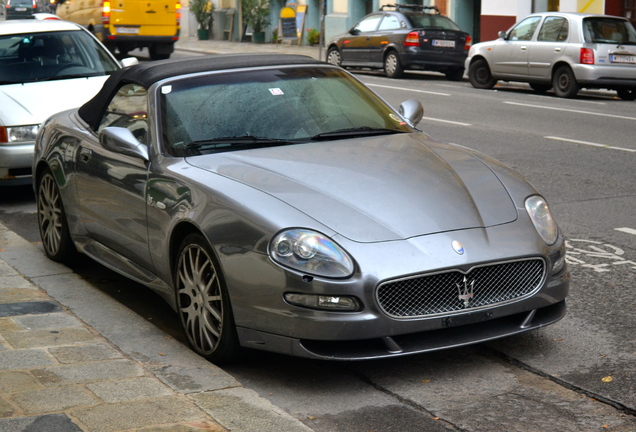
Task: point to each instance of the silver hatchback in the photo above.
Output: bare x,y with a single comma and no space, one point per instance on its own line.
564,51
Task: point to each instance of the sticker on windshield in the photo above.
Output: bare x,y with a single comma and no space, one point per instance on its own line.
276,91
166,89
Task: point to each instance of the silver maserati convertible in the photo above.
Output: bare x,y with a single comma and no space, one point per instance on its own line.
279,204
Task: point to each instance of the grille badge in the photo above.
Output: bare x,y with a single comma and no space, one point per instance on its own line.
457,246
466,291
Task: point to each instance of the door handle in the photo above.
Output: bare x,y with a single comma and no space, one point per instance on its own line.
523,48
85,155
557,49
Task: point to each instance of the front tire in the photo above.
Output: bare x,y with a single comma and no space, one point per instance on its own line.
392,66
54,231
564,83
203,303
627,94
480,76
334,57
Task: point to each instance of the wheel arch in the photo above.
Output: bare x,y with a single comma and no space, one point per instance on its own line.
478,57
557,66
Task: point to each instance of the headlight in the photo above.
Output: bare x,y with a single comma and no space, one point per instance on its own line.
15,134
542,218
310,252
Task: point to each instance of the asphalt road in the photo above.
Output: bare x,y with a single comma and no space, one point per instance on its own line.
578,375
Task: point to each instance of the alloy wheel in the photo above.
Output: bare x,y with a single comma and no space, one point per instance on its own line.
200,299
52,223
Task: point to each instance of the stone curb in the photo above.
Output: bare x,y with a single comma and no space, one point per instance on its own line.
69,365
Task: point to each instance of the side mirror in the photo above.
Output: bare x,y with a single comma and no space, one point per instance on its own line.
354,31
122,140
502,34
129,61
412,111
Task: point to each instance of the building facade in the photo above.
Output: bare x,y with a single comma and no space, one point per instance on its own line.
483,19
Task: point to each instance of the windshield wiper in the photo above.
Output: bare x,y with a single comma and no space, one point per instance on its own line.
236,143
355,132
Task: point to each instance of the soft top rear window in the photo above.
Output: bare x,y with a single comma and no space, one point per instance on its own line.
609,30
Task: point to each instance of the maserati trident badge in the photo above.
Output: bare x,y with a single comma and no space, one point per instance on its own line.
466,291
457,246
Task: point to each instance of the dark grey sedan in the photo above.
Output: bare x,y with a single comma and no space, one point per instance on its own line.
277,203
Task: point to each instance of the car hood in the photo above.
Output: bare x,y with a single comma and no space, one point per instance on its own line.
375,189
34,102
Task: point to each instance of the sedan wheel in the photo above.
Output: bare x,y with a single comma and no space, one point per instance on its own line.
203,303
627,94
480,76
333,57
52,222
564,83
392,66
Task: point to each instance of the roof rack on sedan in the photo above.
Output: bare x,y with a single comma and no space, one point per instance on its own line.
413,7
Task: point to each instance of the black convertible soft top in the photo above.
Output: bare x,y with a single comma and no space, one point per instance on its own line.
146,74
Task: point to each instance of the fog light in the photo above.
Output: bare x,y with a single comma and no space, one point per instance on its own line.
324,302
558,264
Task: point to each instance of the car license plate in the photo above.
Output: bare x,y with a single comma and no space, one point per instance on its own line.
444,43
622,58
127,30
20,9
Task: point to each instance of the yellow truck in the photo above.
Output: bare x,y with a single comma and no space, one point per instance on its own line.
128,24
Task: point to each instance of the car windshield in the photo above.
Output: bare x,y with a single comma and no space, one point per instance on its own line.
432,22
49,56
280,106
609,30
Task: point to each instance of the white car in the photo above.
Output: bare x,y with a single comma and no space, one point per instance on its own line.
46,66
564,51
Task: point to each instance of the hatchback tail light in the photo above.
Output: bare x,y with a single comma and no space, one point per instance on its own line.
587,56
468,43
412,39
106,12
178,10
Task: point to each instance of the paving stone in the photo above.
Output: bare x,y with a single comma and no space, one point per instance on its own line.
48,322
28,307
131,389
47,338
14,281
161,411
84,353
45,423
11,381
243,410
6,410
7,270
88,372
7,324
53,399
24,359
206,426
14,295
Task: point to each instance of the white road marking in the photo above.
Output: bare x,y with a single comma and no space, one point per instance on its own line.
591,144
627,230
446,121
571,110
408,89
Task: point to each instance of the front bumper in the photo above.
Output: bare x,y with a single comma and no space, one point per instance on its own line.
15,163
264,321
483,330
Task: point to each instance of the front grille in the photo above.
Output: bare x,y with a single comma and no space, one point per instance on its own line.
456,291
